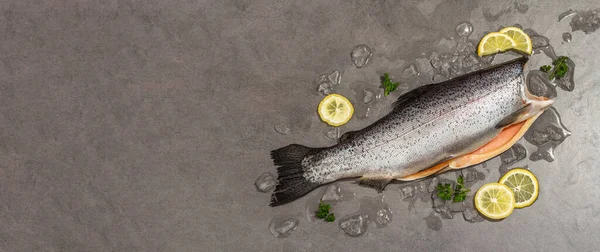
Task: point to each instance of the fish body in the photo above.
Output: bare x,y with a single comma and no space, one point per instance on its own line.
428,126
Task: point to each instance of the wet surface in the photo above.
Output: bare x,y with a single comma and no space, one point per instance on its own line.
142,126
547,132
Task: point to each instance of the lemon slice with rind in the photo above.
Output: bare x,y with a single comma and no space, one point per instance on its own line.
335,110
495,42
524,185
495,201
521,38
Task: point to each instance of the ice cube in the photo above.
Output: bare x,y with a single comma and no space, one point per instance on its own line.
538,41
408,191
335,78
539,84
555,133
361,55
333,133
470,61
355,225
457,206
445,211
540,137
265,182
383,217
327,82
335,193
464,29
432,184
436,64
282,128
325,88
282,227
471,215
332,193
410,71
438,78
368,96
437,201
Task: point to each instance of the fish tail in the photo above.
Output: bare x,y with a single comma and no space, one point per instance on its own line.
292,183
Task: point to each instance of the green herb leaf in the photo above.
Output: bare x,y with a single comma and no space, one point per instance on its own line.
460,180
459,197
388,85
546,68
445,191
330,218
560,68
324,213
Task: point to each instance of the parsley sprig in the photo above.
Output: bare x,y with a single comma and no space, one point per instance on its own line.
388,85
560,68
457,194
324,213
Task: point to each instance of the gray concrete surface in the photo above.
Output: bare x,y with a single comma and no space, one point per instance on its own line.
142,125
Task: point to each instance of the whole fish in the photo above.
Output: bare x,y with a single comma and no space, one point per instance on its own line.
431,129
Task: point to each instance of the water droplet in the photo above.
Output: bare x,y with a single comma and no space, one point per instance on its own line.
586,21
433,222
361,55
464,29
521,8
282,128
566,37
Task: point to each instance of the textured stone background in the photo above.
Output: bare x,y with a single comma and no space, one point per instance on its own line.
142,125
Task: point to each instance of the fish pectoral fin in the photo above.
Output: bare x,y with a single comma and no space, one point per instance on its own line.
515,117
376,182
531,109
348,136
426,172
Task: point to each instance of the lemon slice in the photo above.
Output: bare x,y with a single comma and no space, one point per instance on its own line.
495,42
520,37
495,201
335,110
524,184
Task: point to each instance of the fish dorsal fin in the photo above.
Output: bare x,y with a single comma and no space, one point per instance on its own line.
410,96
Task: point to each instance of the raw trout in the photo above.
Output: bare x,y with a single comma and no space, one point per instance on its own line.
431,129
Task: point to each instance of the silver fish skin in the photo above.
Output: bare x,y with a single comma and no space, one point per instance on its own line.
427,125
